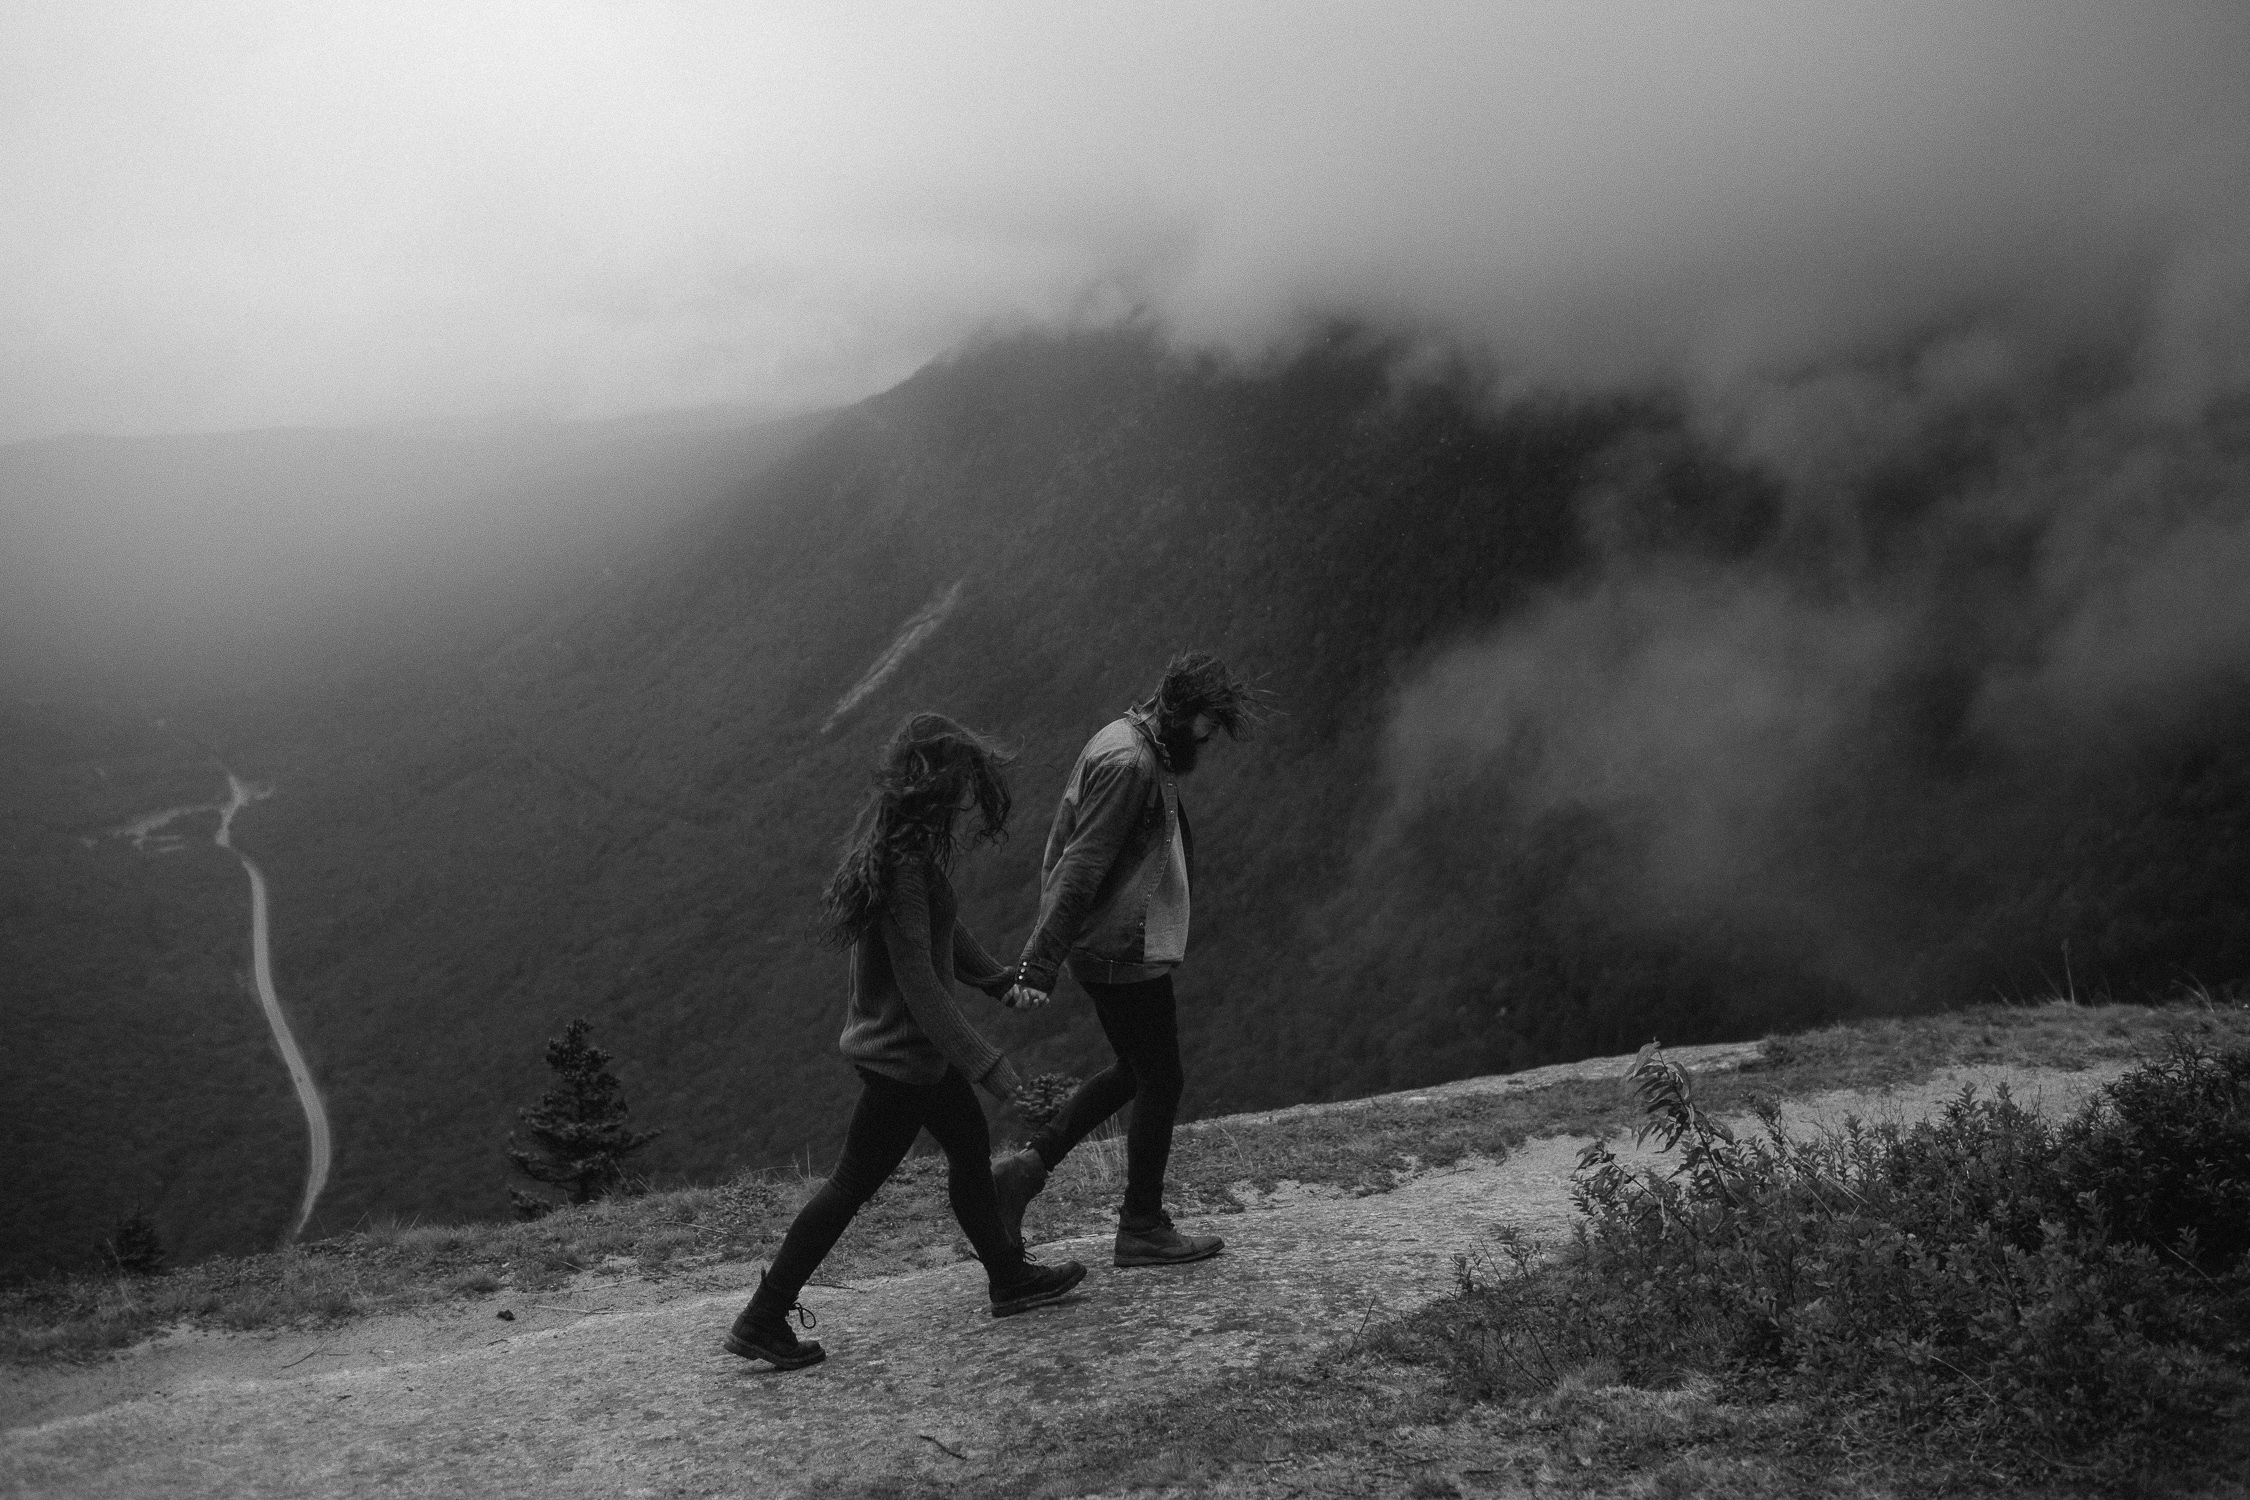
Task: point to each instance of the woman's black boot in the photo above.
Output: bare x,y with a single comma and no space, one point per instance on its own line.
762,1331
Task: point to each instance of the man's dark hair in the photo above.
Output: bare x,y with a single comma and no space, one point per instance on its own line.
1197,682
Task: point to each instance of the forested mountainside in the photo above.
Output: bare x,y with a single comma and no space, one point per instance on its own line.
138,1071
142,577
1589,729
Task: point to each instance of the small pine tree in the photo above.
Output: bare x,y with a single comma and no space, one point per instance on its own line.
133,1246
578,1132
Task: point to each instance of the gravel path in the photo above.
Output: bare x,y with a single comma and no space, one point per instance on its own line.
638,1399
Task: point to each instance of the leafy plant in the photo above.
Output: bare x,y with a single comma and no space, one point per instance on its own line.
1042,1097
2166,1154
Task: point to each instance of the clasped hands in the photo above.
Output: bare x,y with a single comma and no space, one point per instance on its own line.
1020,996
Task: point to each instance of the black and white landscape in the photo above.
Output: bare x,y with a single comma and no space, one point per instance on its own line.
1744,522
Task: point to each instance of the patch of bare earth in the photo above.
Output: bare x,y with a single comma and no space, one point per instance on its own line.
619,1386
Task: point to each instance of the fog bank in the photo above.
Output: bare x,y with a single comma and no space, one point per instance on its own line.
232,216
1990,569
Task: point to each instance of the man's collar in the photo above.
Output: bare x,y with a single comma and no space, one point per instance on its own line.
1143,720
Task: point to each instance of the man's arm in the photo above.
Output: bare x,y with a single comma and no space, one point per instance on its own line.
1109,806
905,926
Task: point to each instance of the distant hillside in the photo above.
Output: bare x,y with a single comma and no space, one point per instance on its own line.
625,810
202,563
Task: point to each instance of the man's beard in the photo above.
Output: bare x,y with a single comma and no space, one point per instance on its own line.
1180,746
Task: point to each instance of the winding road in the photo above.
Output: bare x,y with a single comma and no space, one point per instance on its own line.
144,832
240,795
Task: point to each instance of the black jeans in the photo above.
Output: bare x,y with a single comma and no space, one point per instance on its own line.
884,1123
1142,1022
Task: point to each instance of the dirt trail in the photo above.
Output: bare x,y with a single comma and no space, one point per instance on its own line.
920,1383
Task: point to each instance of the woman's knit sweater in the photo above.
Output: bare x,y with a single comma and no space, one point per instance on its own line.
902,1020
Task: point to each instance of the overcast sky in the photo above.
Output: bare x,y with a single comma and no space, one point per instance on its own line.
227,214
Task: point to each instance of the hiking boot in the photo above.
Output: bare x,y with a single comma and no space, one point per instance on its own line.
1016,1180
1154,1242
762,1331
1032,1285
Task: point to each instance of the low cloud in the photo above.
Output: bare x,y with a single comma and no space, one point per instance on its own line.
1689,706
2003,554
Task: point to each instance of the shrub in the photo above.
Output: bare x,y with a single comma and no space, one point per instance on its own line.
2165,1152
1982,1275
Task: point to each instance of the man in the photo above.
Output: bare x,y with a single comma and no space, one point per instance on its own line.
1113,905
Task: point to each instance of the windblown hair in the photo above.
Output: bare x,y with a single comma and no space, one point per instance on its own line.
910,815
1197,682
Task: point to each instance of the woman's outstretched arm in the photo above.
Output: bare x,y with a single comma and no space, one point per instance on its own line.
973,966
905,925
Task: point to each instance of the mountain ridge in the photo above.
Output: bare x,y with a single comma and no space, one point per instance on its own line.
625,810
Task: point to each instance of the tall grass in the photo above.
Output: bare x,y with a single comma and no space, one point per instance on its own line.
1362,1147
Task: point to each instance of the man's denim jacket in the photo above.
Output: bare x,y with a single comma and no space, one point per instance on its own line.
1106,853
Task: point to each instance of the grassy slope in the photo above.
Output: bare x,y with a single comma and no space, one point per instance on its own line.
1362,1149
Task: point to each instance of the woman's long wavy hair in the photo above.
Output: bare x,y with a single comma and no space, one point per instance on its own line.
910,815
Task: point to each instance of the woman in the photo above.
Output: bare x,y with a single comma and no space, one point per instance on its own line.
891,904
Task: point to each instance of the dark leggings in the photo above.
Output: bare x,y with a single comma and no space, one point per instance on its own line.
1142,1022
884,1123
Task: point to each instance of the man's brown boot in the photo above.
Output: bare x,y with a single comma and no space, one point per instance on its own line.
1154,1242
